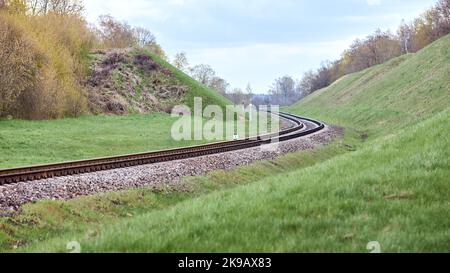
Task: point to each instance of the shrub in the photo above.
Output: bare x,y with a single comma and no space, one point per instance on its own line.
45,62
18,66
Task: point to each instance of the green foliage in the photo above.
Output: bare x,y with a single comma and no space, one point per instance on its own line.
16,6
392,189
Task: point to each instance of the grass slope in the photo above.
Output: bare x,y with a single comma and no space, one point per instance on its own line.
377,100
49,219
391,192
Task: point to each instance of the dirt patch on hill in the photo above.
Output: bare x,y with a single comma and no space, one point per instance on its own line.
129,81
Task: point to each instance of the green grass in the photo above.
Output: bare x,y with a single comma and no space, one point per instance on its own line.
46,220
389,192
36,142
24,143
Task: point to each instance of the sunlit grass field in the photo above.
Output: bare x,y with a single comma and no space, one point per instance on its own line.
24,143
35,142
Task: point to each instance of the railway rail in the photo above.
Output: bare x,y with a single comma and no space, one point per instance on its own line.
302,127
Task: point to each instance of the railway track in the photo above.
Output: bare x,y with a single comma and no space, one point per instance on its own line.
302,127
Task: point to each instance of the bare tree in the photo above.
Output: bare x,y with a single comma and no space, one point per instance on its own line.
63,7
405,34
443,8
283,90
307,83
180,61
203,73
116,34
220,85
143,36
248,94
237,96
67,6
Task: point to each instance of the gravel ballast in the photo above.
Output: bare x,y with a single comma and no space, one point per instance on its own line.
13,196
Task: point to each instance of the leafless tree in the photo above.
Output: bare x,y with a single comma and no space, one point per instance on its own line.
248,94
116,34
40,7
143,36
180,61
237,96
284,90
203,73
405,34
220,85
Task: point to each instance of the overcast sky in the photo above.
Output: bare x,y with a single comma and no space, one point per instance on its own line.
256,41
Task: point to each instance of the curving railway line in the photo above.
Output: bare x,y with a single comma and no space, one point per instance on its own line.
302,127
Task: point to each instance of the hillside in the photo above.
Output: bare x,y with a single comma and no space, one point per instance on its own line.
394,95
392,188
134,88
56,66
394,191
131,80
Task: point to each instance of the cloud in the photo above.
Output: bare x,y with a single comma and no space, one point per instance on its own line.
373,2
152,10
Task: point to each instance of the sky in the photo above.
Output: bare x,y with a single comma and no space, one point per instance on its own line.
257,41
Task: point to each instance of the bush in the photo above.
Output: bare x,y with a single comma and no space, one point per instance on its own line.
45,63
19,64
116,34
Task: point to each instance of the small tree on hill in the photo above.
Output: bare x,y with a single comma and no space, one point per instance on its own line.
180,61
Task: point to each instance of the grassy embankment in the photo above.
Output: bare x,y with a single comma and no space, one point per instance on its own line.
387,97
389,192
394,189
